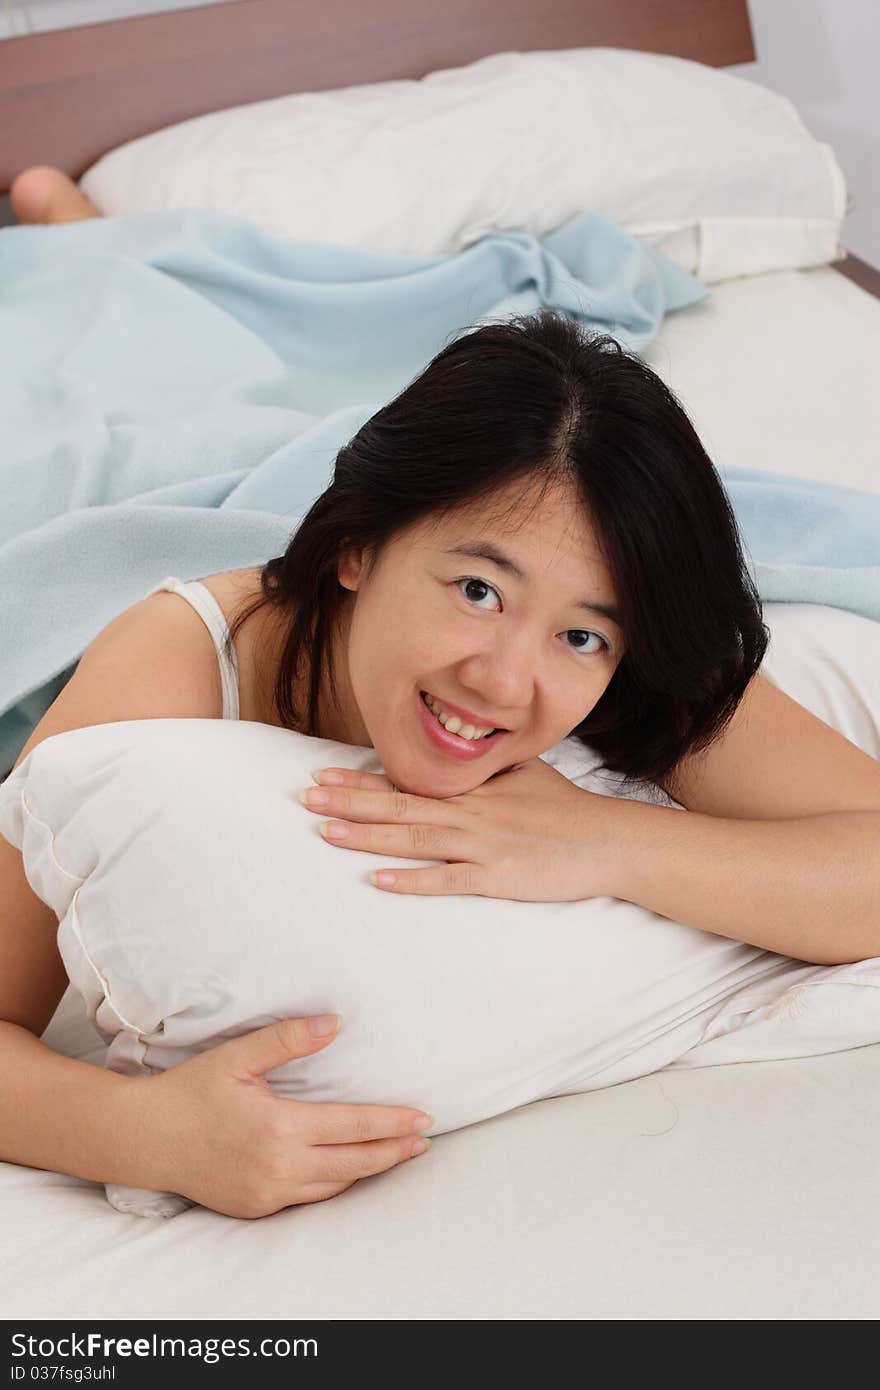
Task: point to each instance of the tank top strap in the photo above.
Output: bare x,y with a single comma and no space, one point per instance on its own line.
203,601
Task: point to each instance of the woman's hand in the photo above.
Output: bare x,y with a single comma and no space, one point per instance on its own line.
216,1133
528,834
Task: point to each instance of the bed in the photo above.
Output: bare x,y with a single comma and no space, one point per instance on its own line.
735,1192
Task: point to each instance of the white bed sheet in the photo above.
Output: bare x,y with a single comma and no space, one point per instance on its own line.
780,372
743,1191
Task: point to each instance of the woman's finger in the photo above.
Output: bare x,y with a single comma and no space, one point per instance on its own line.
448,879
405,841
333,1123
322,1192
347,1163
381,807
350,777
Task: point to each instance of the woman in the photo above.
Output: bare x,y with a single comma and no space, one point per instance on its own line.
530,539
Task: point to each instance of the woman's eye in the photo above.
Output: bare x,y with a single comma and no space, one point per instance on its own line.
582,633
475,584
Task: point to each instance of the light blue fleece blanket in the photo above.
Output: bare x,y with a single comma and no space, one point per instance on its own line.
175,387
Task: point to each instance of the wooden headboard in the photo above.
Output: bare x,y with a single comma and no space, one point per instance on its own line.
69,96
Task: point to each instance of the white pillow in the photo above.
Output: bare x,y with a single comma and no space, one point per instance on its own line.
715,171
197,901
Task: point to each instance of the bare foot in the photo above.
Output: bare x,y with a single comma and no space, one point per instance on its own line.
43,195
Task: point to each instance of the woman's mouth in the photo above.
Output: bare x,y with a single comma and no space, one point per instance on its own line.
454,742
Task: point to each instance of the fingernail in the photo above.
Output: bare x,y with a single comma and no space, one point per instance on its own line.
335,830
419,1146
322,1024
423,1121
312,797
329,779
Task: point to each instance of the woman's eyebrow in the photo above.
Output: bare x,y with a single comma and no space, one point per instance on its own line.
483,550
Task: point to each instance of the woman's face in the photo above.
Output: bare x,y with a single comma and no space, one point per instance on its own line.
530,653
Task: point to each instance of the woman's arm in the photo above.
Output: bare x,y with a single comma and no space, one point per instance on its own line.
776,761
55,1112
781,846
210,1128
66,1115
807,888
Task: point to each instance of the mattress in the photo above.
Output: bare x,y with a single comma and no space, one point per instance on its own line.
739,1191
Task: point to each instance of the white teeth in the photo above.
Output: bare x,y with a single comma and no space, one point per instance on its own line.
452,723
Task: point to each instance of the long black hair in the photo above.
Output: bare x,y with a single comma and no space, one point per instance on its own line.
538,398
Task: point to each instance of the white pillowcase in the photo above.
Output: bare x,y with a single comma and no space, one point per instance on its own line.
198,901
717,172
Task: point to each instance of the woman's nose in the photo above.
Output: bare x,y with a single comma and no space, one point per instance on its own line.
503,681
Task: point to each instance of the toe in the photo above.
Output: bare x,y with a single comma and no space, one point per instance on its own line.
33,189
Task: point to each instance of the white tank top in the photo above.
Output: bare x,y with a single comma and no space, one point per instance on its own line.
209,610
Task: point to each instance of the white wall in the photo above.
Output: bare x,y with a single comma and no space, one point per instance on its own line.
824,55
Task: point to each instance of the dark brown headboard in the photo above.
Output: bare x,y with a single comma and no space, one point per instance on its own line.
70,96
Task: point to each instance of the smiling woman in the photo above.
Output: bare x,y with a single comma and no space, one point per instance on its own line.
605,592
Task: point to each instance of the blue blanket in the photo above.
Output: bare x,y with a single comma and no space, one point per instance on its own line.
175,387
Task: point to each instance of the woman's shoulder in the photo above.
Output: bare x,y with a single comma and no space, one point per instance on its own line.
154,660
233,591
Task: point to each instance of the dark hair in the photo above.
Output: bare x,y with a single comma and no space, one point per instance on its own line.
539,398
